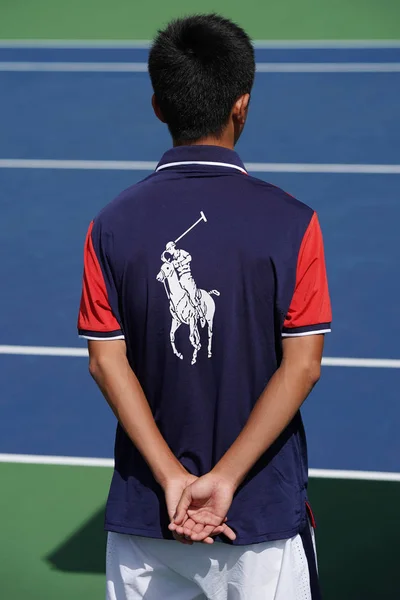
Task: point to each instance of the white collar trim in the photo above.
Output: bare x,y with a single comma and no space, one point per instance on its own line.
201,162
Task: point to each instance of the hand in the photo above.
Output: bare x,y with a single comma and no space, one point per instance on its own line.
202,509
173,490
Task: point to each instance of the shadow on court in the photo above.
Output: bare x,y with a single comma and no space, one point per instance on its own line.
357,523
85,550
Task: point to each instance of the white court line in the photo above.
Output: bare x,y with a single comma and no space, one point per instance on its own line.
75,67
325,44
102,165
369,363
328,67
75,461
84,44
141,67
322,168
43,351
361,475
381,363
68,461
145,44
138,165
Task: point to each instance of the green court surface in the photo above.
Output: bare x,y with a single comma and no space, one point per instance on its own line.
45,507
53,544
52,539
127,19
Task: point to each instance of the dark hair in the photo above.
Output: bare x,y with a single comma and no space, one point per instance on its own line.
199,66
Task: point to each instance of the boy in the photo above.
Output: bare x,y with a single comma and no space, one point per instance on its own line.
206,380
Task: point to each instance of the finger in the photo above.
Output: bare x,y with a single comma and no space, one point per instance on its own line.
186,528
205,517
221,529
189,523
173,526
182,531
178,529
182,540
208,540
183,505
229,533
198,528
217,530
202,535
187,540
178,538
191,527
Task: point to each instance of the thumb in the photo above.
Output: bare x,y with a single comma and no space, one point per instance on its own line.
183,506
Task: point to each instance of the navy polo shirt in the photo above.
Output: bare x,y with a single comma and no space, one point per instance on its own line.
202,269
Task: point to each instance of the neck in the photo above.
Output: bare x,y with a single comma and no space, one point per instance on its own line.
226,140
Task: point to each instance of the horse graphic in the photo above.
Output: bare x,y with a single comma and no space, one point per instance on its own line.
184,309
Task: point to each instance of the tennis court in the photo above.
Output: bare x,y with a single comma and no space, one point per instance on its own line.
77,127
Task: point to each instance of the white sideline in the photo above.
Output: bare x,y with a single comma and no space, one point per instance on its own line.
141,67
75,67
68,461
145,44
369,363
360,475
43,351
98,165
75,461
140,165
382,363
328,67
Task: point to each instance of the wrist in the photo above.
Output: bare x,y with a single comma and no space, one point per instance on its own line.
172,471
226,476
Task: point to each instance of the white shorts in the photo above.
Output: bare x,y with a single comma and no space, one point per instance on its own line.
153,569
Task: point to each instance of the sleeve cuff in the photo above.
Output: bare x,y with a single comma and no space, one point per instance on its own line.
306,330
101,335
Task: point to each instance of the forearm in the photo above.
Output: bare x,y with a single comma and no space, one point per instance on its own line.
276,407
125,396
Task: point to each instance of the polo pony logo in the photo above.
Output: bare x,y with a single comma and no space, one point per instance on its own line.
188,304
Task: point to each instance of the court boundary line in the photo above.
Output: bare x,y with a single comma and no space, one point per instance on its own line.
139,165
145,44
141,67
78,461
328,361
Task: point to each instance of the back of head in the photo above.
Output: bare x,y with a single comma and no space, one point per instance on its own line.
199,66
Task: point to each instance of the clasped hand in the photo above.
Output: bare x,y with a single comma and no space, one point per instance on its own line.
198,507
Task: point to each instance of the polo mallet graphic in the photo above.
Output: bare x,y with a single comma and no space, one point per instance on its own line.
202,218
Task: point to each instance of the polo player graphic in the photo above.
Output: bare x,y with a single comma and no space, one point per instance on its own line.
187,303
181,261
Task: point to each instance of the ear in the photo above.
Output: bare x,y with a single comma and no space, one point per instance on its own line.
240,109
157,109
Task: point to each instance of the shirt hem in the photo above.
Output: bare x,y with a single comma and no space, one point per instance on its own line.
242,541
101,338
304,333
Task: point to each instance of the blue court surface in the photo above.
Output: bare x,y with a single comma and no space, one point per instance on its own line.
49,405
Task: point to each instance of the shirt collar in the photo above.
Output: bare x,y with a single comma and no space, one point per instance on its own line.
210,156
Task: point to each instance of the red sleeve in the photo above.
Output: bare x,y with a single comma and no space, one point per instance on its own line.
96,319
310,309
